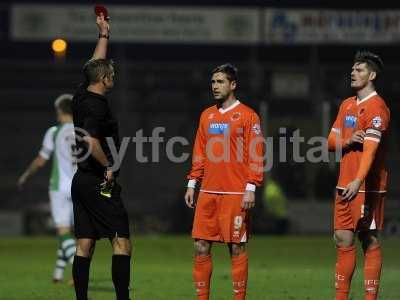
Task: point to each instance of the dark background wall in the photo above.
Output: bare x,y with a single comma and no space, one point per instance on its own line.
167,85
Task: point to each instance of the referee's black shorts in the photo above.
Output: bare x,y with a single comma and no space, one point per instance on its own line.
96,216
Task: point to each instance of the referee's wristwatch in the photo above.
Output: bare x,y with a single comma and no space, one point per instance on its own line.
106,36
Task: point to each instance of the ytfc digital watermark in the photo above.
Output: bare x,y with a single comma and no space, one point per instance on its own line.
256,150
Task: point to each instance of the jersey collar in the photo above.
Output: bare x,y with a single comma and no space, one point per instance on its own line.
374,93
233,105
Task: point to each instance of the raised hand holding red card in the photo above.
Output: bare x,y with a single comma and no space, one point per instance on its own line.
100,9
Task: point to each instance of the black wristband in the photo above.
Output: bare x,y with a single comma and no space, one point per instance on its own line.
106,36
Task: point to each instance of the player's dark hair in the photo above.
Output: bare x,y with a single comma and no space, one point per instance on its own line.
373,61
96,70
228,69
64,103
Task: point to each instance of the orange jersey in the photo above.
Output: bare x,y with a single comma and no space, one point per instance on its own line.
228,152
372,116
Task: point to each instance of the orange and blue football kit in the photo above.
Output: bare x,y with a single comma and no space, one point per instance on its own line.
366,162
228,159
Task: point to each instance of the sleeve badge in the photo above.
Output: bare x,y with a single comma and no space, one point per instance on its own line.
256,129
377,122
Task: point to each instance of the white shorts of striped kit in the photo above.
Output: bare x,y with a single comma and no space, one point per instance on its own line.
61,208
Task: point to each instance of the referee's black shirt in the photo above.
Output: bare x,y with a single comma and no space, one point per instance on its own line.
92,114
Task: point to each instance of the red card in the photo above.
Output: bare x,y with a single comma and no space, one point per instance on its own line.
100,9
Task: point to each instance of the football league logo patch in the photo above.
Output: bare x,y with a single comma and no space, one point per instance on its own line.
377,122
256,129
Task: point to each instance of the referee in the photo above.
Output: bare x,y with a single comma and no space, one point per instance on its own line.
98,208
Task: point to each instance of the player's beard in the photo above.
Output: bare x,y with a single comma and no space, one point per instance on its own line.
221,99
359,87
362,83
110,87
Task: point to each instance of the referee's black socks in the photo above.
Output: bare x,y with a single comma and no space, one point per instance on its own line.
121,269
80,273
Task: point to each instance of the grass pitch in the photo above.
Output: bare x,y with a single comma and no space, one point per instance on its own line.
281,268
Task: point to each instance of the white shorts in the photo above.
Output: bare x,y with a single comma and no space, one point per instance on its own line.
61,208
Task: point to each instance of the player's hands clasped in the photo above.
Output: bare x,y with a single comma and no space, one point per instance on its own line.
189,197
351,190
357,137
103,25
249,200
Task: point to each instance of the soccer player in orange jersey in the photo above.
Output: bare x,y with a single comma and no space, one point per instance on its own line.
361,133
228,161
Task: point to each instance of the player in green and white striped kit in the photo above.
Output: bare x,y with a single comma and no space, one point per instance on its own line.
58,144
